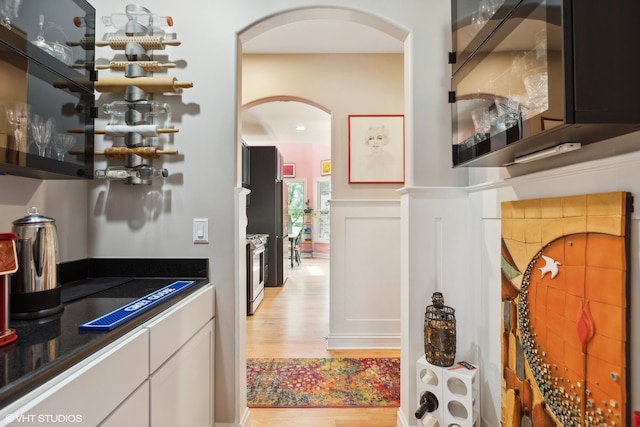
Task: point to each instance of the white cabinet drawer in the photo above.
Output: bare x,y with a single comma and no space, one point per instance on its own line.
182,389
88,391
173,329
133,412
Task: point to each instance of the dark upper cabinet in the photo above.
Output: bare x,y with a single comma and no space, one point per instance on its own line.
534,74
472,21
46,96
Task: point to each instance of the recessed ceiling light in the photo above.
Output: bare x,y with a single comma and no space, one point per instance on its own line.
300,128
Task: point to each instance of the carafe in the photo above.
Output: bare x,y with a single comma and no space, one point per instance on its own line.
35,291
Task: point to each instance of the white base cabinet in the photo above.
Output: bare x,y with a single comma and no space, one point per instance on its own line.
181,389
87,393
132,412
159,374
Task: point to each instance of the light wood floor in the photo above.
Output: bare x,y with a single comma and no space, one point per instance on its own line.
293,321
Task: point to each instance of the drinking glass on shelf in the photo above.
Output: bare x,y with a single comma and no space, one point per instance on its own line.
55,49
9,9
508,110
536,84
18,117
61,144
481,122
42,131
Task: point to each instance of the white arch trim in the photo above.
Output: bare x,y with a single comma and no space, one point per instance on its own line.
322,13
285,98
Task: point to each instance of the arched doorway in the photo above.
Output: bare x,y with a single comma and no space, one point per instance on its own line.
359,20
301,130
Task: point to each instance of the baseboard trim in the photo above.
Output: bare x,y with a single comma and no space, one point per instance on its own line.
245,421
401,421
358,342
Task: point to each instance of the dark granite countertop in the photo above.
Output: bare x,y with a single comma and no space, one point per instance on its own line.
47,346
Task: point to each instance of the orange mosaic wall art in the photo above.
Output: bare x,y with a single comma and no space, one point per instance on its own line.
565,286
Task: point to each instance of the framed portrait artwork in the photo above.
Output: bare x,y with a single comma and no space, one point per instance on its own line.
325,167
288,170
376,149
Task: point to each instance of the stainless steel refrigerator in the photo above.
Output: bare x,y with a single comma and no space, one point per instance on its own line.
267,209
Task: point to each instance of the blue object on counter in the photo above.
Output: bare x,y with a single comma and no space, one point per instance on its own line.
121,315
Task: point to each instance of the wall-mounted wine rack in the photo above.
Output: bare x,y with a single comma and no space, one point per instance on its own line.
138,120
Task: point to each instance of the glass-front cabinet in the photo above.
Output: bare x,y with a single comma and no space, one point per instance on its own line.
473,21
502,91
534,74
46,96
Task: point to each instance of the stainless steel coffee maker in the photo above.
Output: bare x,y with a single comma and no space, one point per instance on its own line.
35,291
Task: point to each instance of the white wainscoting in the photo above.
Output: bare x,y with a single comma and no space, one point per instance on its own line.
438,238
365,274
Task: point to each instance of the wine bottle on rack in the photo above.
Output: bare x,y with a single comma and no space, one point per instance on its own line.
148,19
120,108
87,21
122,172
141,22
428,403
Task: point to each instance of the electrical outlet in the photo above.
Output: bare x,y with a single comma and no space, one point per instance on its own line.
200,230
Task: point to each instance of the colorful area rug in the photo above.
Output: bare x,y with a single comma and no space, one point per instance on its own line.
323,383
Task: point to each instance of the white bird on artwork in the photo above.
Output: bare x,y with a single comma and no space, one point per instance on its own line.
551,266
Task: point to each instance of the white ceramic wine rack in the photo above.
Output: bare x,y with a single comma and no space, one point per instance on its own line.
454,391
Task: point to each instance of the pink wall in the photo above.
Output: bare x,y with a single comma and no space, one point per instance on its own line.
307,158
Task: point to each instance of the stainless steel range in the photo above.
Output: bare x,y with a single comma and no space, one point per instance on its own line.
256,270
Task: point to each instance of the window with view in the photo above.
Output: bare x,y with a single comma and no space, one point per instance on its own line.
296,198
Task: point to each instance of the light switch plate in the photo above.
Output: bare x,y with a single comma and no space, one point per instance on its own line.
200,230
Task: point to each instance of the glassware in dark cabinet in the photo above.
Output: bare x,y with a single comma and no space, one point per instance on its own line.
46,98
59,34
472,21
551,73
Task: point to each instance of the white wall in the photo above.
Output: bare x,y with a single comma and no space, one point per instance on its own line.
451,243
64,200
437,237
375,83
156,221
612,174
365,274
365,290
